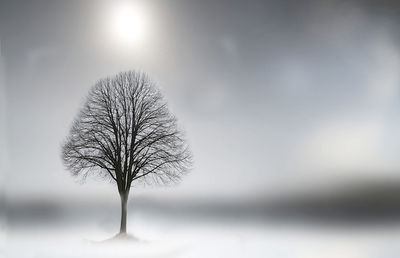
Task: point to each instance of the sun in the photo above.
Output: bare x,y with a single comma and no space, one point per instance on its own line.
129,23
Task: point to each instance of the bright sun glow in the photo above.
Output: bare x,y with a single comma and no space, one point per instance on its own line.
129,23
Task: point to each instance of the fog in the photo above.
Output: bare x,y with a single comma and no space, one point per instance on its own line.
166,229
291,110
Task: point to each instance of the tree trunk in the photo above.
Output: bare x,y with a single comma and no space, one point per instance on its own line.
124,201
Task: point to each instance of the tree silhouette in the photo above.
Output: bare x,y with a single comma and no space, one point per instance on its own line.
125,133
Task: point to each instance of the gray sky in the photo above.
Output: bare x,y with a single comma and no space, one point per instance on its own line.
271,94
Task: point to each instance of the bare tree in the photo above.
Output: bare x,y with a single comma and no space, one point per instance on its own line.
126,133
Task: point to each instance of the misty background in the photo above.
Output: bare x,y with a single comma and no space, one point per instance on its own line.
269,93
276,98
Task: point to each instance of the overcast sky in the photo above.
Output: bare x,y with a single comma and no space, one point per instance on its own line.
271,94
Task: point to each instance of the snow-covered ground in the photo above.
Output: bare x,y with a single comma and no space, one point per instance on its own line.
197,237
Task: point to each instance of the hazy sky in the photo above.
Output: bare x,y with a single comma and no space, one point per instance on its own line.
270,93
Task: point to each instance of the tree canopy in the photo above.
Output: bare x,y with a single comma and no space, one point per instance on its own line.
125,132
